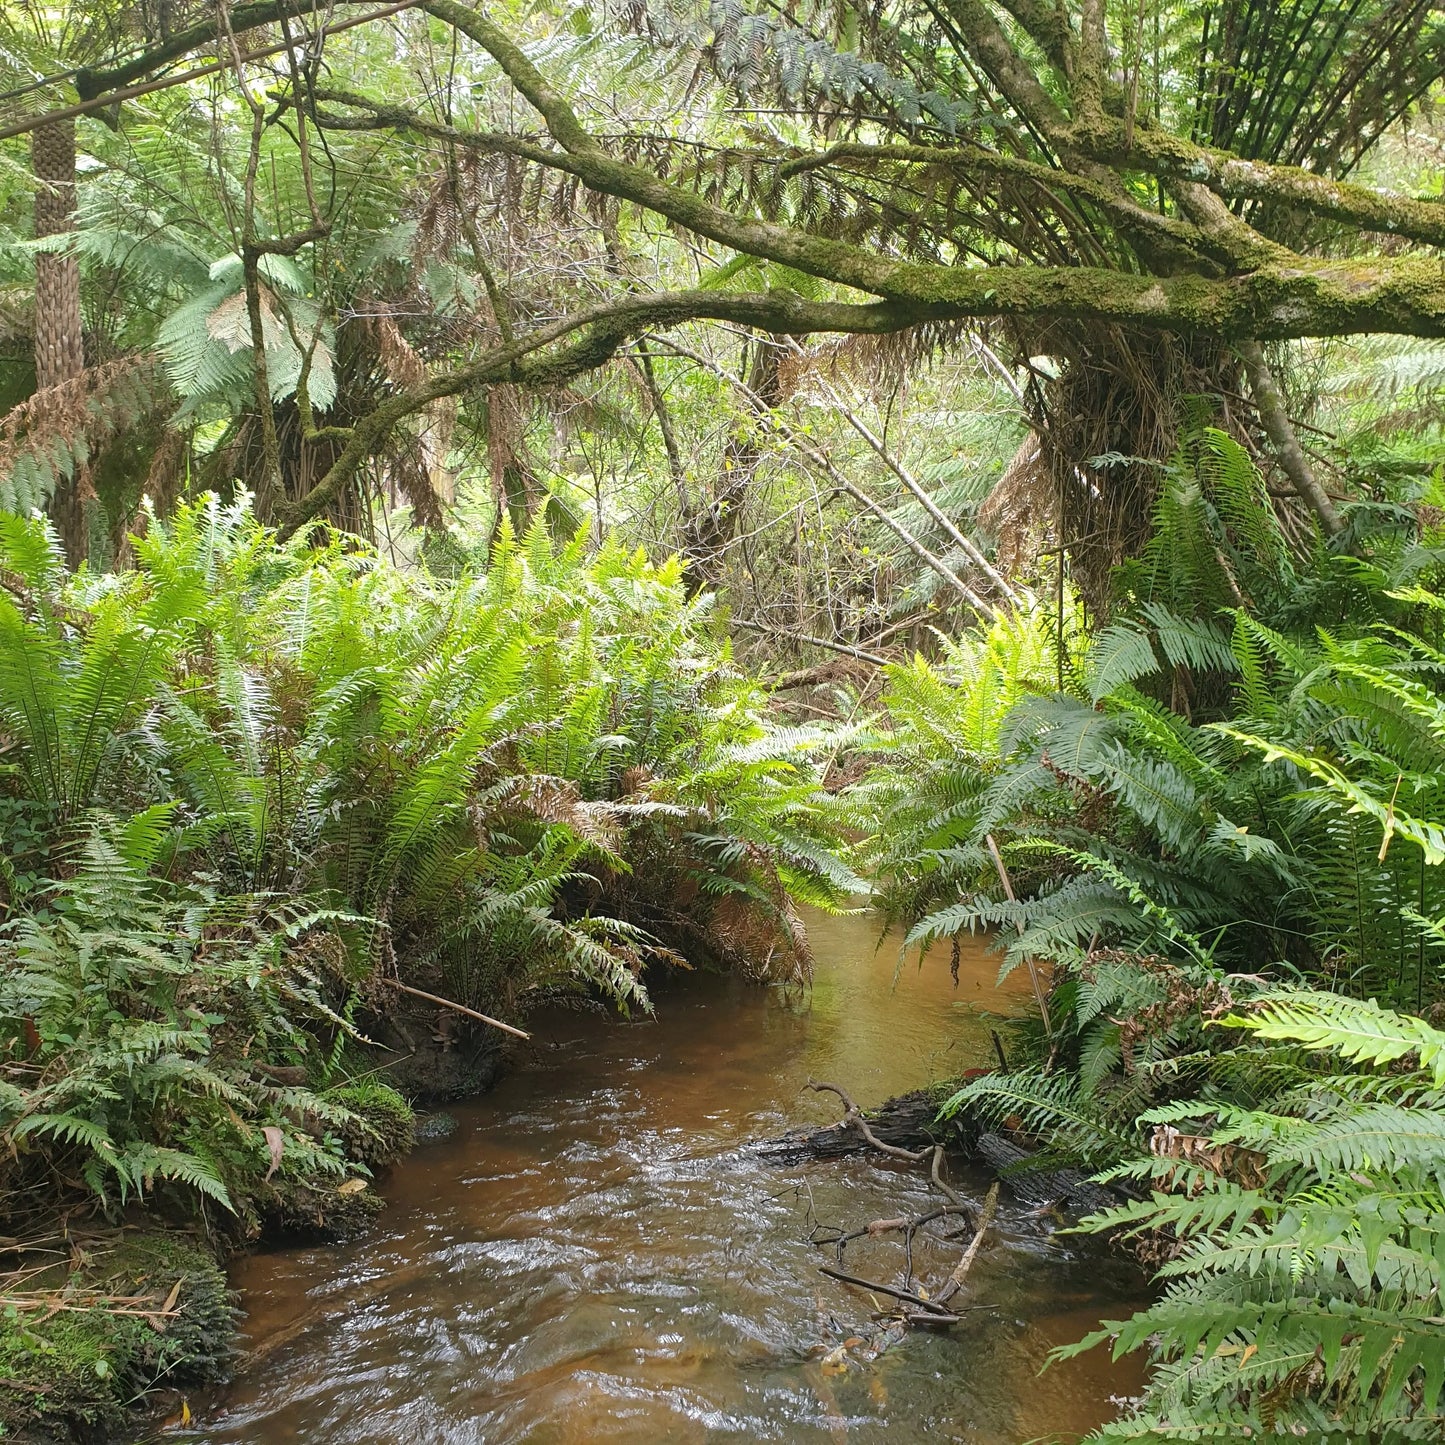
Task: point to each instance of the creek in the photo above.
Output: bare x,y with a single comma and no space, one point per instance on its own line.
596,1254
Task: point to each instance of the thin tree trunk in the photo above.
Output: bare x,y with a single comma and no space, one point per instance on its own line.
1274,418
59,335
715,524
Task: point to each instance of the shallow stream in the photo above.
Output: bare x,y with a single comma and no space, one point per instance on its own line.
596,1255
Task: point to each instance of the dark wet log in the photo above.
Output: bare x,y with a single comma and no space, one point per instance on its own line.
854,1116
909,1123
1041,1188
906,1122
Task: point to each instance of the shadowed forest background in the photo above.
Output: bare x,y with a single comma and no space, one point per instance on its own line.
505,501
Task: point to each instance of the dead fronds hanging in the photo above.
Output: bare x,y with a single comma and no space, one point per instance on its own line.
1107,405
49,438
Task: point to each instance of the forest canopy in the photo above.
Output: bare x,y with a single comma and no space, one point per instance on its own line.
283,185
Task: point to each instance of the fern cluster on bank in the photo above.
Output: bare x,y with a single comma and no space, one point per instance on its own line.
139,1021
1222,819
249,785
1308,1230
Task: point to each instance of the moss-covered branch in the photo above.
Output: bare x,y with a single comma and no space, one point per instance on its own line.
1158,153
592,337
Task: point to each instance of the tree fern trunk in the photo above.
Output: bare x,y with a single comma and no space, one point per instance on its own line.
59,342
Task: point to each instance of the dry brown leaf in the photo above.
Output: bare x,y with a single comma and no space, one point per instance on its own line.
276,1143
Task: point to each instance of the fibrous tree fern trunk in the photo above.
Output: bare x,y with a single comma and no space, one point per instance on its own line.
1106,406
59,340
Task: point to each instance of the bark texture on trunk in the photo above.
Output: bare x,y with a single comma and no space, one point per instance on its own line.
1274,418
59,334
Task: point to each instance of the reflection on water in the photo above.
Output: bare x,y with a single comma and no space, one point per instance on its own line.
594,1255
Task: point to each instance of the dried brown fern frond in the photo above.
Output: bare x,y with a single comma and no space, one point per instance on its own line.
876,365
1018,508
49,437
766,942
558,801
1107,406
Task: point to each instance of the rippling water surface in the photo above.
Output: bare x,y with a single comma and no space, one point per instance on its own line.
595,1254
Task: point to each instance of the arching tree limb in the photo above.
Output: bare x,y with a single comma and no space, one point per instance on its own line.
583,341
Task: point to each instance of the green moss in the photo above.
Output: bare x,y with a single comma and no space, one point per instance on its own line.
85,1365
386,1127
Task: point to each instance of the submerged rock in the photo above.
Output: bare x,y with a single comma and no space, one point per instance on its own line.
431,1128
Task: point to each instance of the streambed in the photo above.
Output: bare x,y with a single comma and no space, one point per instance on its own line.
595,1254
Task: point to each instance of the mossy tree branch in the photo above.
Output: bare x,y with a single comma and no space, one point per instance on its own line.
581,342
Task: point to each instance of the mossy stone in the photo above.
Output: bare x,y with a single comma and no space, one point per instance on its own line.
81,1368
386,1126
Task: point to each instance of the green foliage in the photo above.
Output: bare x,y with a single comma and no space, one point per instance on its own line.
137,1017
1307,1233
474,766
382,1128
1228,795
513,782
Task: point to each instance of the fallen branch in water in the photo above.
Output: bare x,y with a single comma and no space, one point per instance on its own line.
903,1224
961,1269
854,1115
925,1307
937,1176
460,1008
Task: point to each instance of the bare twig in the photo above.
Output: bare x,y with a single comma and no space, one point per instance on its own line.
842,647
961,1269
1274,418
1008,888
938,1178
901,1225
927,1308
471,1013
854,1115
965,544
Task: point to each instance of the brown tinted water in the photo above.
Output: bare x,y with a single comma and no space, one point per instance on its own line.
596,1255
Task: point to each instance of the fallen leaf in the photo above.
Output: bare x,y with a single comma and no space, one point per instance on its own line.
275,1142
179,1417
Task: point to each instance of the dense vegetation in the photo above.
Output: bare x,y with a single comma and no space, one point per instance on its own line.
405,414
248,786
1239,898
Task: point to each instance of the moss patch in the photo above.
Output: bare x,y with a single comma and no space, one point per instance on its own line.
323,1212
386,1127
99,1333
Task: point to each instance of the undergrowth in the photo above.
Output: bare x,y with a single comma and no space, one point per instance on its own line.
1224,832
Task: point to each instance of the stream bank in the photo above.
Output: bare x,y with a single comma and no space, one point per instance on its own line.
599,1251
